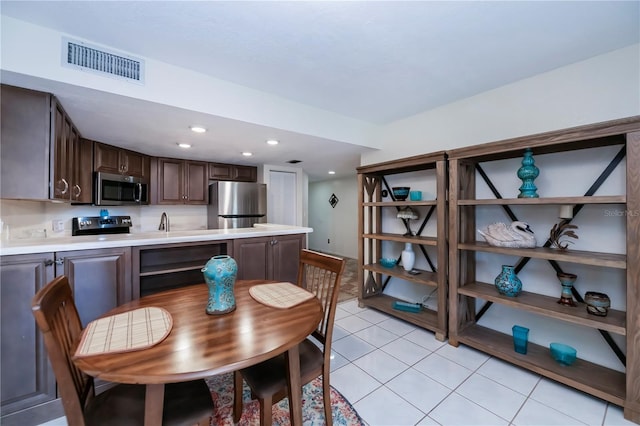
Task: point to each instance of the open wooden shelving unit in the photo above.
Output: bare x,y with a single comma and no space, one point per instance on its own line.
374,277
465,164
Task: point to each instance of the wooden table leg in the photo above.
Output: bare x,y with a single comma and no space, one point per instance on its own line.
153,403
292,359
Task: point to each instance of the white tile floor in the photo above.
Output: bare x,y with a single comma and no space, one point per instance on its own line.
397,374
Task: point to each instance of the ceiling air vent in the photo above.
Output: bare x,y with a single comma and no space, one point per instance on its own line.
80,55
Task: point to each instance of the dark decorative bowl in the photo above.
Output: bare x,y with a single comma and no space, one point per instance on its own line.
597,303
400,193
563,354
388,262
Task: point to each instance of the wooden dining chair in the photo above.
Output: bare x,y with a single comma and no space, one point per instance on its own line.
320,274
54,309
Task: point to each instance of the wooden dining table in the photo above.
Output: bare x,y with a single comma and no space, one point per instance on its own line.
201,345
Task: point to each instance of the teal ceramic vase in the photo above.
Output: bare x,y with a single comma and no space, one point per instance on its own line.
527,173
220,275
507,282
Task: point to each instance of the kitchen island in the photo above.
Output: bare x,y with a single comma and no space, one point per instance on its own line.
106,271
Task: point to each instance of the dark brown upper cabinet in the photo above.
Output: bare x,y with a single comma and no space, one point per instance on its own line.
221,171
43,155
112,159
177,181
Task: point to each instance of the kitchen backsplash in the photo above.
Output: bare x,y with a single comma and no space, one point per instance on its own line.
34,219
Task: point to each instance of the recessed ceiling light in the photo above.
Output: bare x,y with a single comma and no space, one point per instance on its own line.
184,145
198,129
273,142
331,172
247,154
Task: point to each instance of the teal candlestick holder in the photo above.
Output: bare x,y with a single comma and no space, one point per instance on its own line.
527,173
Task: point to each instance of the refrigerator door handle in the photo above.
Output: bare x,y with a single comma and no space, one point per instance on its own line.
233,216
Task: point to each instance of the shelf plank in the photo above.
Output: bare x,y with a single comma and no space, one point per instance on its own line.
425,277
414,239
609,260
426,318
548,306
400,203
581,137
404,165
171,268
594,379
604,199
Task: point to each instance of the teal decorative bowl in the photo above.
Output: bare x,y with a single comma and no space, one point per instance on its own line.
388,262
563,354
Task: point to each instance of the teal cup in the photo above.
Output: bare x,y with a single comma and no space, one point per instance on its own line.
520,338
415,195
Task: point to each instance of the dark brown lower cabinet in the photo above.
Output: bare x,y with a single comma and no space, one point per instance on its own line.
101,280
269,258
27,378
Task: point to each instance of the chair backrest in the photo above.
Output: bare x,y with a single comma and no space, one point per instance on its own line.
321,274
57,318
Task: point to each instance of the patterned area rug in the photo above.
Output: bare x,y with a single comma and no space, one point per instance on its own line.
312,407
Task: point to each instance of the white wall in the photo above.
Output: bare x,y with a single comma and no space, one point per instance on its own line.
335,230
602,88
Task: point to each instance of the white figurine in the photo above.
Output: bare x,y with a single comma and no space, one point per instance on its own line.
518,234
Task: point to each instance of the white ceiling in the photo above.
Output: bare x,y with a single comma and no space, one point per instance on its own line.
375,61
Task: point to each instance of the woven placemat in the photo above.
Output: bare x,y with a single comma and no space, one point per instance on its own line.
129,331
280,295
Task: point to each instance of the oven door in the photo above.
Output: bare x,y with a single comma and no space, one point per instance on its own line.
116,190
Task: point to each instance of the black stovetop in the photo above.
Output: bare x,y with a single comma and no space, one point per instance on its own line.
97,225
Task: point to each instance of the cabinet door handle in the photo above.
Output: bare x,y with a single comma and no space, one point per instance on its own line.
66,186
78,190
60,261
138,195
48,262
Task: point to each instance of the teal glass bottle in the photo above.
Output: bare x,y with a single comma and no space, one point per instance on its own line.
527,173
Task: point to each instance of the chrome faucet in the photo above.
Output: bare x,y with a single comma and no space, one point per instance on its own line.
164,222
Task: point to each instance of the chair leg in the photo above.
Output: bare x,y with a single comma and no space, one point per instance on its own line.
266,415
237,396
326,397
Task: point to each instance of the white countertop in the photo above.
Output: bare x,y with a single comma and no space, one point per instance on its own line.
45,245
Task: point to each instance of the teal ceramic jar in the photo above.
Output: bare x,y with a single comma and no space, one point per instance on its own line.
220,275
507,282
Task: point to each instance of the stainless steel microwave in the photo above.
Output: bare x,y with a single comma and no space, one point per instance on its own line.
117,190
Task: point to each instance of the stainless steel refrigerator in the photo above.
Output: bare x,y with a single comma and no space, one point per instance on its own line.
236,205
